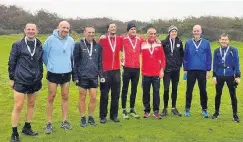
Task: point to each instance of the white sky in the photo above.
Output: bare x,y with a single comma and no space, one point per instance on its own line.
124,10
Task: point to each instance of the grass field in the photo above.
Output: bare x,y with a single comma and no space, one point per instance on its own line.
170,128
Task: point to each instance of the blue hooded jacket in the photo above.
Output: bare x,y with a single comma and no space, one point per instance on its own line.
58,53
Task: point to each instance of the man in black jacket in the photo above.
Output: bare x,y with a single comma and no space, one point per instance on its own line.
173,49
25,69
87,68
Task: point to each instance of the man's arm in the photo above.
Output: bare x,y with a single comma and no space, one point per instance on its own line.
46,49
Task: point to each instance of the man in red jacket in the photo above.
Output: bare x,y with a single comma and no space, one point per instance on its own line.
131,68
111,47
153,65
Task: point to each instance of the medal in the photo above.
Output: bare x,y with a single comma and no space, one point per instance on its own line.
91,49
31,53
113,47
64,51
133,45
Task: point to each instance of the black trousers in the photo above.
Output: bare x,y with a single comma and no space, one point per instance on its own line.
172,76
232,90
146,83
200,76
113,83
133,75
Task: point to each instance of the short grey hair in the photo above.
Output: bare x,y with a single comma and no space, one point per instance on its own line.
223,35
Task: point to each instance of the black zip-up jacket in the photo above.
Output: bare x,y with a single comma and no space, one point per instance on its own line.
173,61
84,67
21,68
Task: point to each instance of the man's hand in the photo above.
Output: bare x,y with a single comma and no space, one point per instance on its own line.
207,74
214,80
161,75
237,80
102,37
11,83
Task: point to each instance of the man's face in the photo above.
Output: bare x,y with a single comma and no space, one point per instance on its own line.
173,34
197,31
64,29
30,31
132,32
89,33
224,41
112,29
151,35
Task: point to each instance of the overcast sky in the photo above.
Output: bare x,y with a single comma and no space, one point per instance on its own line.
143,10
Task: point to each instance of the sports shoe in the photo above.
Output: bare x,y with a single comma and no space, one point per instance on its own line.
83,122
215,115
146,115
48,128
236,118
103,120
115,119
125,114
187,113
15,138
164,112
175,112
157,115
29,132
205,113
134,114
66,125
91,121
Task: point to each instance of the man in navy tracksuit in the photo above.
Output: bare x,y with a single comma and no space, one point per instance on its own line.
197,66
226,69
87,68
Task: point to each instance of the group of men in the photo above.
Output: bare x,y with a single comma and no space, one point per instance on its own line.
90,63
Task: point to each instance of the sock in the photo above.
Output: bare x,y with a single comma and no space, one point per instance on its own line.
15,131
27,125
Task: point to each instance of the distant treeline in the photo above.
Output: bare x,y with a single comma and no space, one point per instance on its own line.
13,19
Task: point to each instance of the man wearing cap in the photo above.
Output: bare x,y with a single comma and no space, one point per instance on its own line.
226,68
131,68
197,66
58,50
111,46
153,65
87,68
173,49
25,69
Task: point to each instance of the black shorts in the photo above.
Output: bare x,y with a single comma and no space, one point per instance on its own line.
58,78
88,83
27,89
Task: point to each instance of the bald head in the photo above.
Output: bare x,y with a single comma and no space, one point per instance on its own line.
197,31
30,31
63,28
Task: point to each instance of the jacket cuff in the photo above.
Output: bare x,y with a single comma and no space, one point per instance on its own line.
238,75
214,74
11,77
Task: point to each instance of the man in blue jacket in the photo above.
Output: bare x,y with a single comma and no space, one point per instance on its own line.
226,68
197,66
87,68
25,69
58,50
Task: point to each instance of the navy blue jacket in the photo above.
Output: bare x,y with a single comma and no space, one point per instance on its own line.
83,66
21,68
230,67
197,59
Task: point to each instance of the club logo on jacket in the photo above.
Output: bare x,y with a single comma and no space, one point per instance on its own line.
177,45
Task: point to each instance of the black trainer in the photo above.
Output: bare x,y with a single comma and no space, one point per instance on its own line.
215,115
83,122
91,121
29,132
115,119
103,120
175,112
236,118
164,112
48,128
15,138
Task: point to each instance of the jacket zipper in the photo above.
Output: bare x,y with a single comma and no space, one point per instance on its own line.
113,61
224,69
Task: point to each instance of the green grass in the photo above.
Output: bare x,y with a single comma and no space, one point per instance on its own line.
170,128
